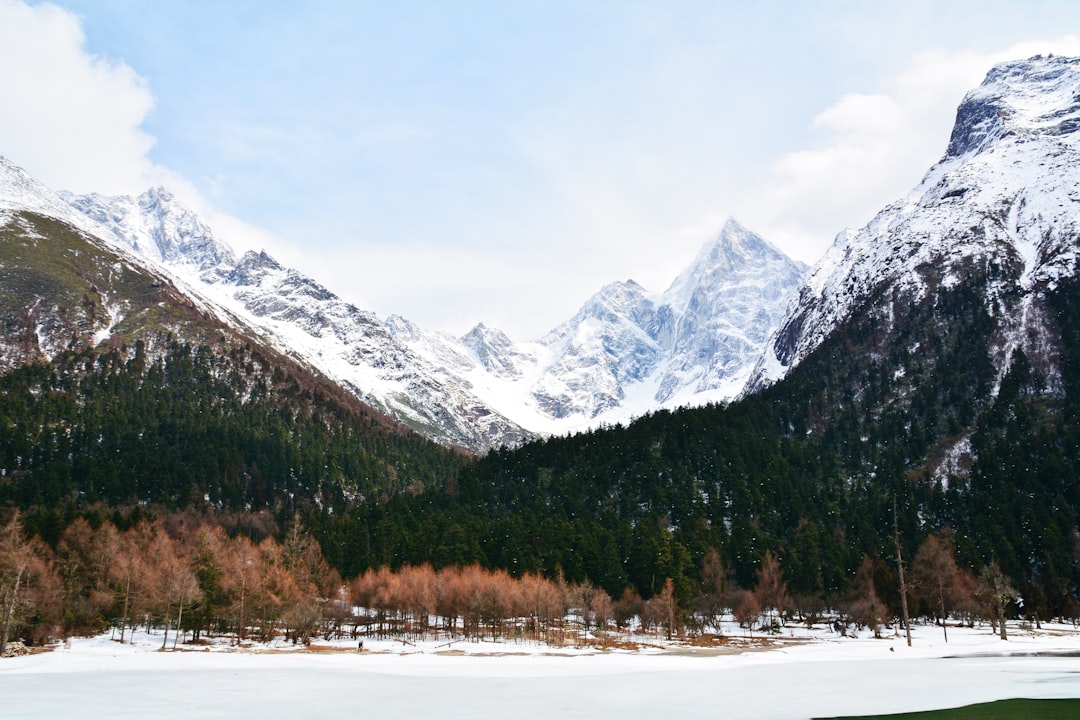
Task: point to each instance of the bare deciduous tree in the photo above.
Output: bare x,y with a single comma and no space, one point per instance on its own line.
864,606
936,576
243,572
996,591
771,590
16,556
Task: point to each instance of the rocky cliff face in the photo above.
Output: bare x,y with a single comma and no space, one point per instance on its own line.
1000,209
695,343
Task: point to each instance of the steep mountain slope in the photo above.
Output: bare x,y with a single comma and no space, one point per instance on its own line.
176,236
695,343
947,291
301,317
1000,209
118,386
623,354
66,283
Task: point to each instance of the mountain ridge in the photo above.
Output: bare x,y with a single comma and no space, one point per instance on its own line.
967,209
482,390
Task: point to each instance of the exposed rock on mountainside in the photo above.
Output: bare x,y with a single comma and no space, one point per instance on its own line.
623,354
1001,208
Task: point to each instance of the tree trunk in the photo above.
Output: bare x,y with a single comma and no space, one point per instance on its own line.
240,620
9,611
165,641
900,568
179,621
123,615
941,603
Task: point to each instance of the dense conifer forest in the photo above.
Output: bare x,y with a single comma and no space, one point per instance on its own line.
810,471
793,500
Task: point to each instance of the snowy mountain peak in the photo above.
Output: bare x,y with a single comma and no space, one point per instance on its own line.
736,255
159,226
1026,97
627,351
494,350
1003,197
19,191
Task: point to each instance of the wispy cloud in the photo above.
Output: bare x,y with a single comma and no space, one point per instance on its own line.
75,118
873,148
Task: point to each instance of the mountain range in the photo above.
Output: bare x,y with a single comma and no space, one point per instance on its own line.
923,380
1001,200
626,351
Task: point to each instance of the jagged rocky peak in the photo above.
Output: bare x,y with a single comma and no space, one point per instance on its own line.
1034,96
495,351
401,327
262,270
252,269
1004,197
484,340
158,226
734,248
737,254
720,311
615,304
616,297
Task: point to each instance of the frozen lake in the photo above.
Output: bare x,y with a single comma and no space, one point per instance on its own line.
101,679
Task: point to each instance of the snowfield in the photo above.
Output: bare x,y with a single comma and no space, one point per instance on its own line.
801,675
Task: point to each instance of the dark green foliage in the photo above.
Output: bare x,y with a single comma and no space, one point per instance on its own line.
212,427
807,470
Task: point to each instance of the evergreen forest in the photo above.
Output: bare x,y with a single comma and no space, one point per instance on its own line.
796,499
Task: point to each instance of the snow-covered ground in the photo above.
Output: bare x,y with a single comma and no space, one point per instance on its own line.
796,678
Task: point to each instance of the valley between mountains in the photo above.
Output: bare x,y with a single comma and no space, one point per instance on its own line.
760,440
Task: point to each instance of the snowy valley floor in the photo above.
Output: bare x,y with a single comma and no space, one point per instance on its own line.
805,675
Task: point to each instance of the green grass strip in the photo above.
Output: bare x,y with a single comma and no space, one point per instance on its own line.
1017,709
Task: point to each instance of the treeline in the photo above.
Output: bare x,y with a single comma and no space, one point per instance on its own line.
208,426
819,474
815,471
174,573
192,579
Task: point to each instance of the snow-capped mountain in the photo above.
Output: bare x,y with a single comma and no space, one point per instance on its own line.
299,316
720,312
157,226
1002,205
624,353
695,343
596,353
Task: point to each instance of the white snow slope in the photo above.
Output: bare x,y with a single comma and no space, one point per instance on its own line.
825,677
625,353
1006,196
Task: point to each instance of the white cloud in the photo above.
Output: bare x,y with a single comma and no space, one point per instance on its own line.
69,117
874,148
74,120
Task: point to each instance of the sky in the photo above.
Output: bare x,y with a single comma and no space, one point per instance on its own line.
459,161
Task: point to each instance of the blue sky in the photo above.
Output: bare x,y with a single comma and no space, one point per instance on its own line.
464,161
